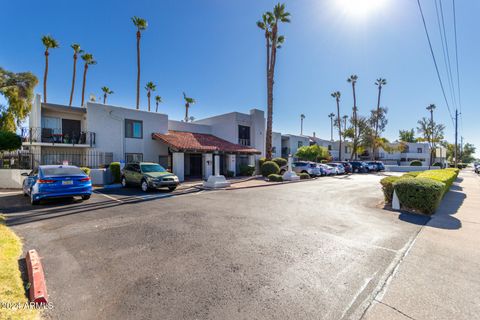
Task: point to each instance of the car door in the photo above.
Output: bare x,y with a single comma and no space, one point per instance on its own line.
136,174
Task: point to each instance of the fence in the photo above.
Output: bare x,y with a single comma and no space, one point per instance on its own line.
26,159
58,136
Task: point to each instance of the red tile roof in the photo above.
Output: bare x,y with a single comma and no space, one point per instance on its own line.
200,142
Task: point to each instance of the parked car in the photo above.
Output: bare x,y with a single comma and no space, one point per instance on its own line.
148,175
377,166
337,167
329,171
346,165
359,166
303,167
55,181
476,167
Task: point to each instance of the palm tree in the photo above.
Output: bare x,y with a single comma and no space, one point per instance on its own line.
188,102
431,108
150,86
48,43
337,95
331,116
269,24
106,92
158,100
302,116
379,83
76,52
353,80
141,25
88,60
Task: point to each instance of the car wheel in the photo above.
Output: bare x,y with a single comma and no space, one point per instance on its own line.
86,197
144,186
172,188
32,200
124,182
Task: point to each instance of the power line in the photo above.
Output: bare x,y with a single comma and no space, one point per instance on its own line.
456,58
435,61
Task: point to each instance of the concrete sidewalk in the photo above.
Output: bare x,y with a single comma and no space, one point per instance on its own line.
439,277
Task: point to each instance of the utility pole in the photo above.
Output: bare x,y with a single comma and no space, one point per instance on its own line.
461,149
302,116
331,115
456,136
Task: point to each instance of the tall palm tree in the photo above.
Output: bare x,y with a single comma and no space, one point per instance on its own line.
76,51
337,95
269,24
302,116
379,83
106,92
150,87
431,108
141,25
353,80
48,43
188,102
88,60
158,100
331,116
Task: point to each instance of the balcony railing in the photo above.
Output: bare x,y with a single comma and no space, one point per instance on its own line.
58,136
244,142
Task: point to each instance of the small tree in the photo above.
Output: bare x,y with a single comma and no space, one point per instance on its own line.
312,153
407,135
9,141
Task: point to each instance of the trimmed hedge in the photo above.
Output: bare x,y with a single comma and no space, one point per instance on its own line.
387,186
445,176
412,174
420,194
275,177
261,161
304,176
246,170
416,163
115,170
86,170
280,161
268,168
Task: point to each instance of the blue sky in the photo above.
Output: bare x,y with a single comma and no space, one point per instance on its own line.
213,50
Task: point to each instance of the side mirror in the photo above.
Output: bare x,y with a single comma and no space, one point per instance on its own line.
25,174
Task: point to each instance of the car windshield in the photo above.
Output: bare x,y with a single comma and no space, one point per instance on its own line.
62,171
152,168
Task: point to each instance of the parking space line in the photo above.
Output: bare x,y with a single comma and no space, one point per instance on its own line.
109,197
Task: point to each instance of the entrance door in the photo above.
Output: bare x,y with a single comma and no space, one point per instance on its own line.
196,165
71,130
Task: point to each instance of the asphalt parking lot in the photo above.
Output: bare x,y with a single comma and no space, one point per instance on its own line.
312,250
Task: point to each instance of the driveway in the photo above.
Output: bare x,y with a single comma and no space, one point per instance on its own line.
312,250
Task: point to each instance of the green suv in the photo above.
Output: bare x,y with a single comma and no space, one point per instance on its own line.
148,175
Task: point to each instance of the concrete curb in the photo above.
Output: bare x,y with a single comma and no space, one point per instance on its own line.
38,288
110,186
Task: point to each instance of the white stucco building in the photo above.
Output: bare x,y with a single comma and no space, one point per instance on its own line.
99,134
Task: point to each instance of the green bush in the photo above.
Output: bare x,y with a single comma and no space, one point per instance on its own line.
9,141
268,168
275,177
230,174
304,176
416,163
419,194
412,174
246,170
86,170
441,175
437,164
115,170
261,161
280,161
387,186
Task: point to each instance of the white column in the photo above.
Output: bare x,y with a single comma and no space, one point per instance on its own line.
207,165
217,164
178,165
251,160
231,163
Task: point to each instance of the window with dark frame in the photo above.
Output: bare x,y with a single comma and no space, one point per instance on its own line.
243,135
133,157
133,129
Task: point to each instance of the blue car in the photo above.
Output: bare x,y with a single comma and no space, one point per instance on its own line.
56,182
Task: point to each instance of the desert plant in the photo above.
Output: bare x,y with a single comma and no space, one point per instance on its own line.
115,170
280,161
275,178
420,194
416,163
268,168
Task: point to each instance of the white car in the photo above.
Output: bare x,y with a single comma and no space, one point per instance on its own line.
337,167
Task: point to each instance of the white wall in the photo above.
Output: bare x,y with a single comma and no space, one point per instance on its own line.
277,144
108,123
291,141
11,178
189,127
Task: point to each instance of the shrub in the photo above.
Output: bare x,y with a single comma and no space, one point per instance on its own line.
230,174
268,168
280,161
304,176
246,170
387,186
437,164
416,163
115,170
419,194
86,170
441,175
9,141
412,174
261,161
275,177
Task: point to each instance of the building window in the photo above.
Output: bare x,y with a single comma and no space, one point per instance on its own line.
133,129
243,135
329,147
133,157
274,150
419,150
346,149
300,144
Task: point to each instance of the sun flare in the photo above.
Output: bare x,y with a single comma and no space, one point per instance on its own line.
360,8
